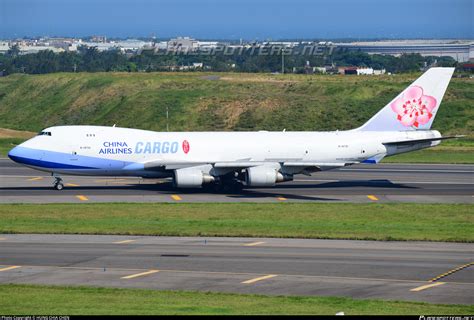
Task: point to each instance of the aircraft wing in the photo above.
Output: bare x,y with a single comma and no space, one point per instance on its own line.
297,166
236,165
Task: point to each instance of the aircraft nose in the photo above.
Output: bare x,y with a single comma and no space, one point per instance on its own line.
14,153
17,154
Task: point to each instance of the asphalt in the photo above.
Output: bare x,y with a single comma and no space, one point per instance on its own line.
421,183
358,269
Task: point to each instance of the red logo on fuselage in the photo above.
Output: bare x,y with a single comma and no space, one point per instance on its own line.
186,146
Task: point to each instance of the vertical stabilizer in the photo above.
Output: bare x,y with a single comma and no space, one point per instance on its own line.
416,107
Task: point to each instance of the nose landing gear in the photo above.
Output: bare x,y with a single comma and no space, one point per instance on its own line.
58,183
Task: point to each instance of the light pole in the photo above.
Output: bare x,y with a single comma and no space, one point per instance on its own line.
282,62
167,119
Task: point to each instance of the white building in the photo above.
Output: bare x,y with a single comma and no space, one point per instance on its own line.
365,71
379,72
4,47
207,44
125,45
460,50
35,49
183,44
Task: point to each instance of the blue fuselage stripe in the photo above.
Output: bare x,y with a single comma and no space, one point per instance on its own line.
46,164
59,160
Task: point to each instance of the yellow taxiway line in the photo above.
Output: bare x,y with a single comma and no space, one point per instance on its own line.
124,241
9,268
36,178
82,198
464,266
427,286
254,243
71,185
259,279
176,197
140,274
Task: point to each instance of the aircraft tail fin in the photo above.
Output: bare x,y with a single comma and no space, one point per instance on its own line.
416,107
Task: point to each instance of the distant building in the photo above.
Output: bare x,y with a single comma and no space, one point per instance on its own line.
379,72
4,47
364,71
467,67
207,44
347,70
101,39
360,71
319,69
129,45
460,50
288,44
26,49
183,44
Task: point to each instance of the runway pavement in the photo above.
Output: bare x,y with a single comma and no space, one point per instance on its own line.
359,269
361,183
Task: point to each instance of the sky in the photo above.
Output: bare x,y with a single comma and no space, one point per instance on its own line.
235,19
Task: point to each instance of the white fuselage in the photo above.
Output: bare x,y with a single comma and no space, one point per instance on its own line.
96,150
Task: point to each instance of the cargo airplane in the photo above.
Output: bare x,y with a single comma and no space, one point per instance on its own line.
252,159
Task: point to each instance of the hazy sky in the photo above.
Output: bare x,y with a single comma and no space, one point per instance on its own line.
248,19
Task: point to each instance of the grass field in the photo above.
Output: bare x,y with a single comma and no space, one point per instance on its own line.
31,299
10,138
434,222
234,102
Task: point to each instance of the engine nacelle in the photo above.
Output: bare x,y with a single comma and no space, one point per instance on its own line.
262,176
191,178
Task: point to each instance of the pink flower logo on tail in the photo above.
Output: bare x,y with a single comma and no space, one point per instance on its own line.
413,107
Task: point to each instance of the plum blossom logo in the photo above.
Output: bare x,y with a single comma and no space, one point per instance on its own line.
413,107
185,146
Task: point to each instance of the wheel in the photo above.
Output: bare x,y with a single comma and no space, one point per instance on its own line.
58,186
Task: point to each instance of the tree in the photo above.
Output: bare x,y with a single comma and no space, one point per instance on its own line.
14,50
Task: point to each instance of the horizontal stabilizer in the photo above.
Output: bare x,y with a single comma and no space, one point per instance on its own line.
415,141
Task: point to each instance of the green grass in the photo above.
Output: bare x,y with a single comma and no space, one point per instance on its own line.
6,144
445,155
235,102
45,300
397,221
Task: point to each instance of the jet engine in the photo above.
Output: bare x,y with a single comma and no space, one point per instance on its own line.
263,176
191,178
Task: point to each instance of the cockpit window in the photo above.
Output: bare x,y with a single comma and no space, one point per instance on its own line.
44,133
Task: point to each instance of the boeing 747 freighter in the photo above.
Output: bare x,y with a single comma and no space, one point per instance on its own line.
253,159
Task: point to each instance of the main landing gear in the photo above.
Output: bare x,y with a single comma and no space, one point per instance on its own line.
58,183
